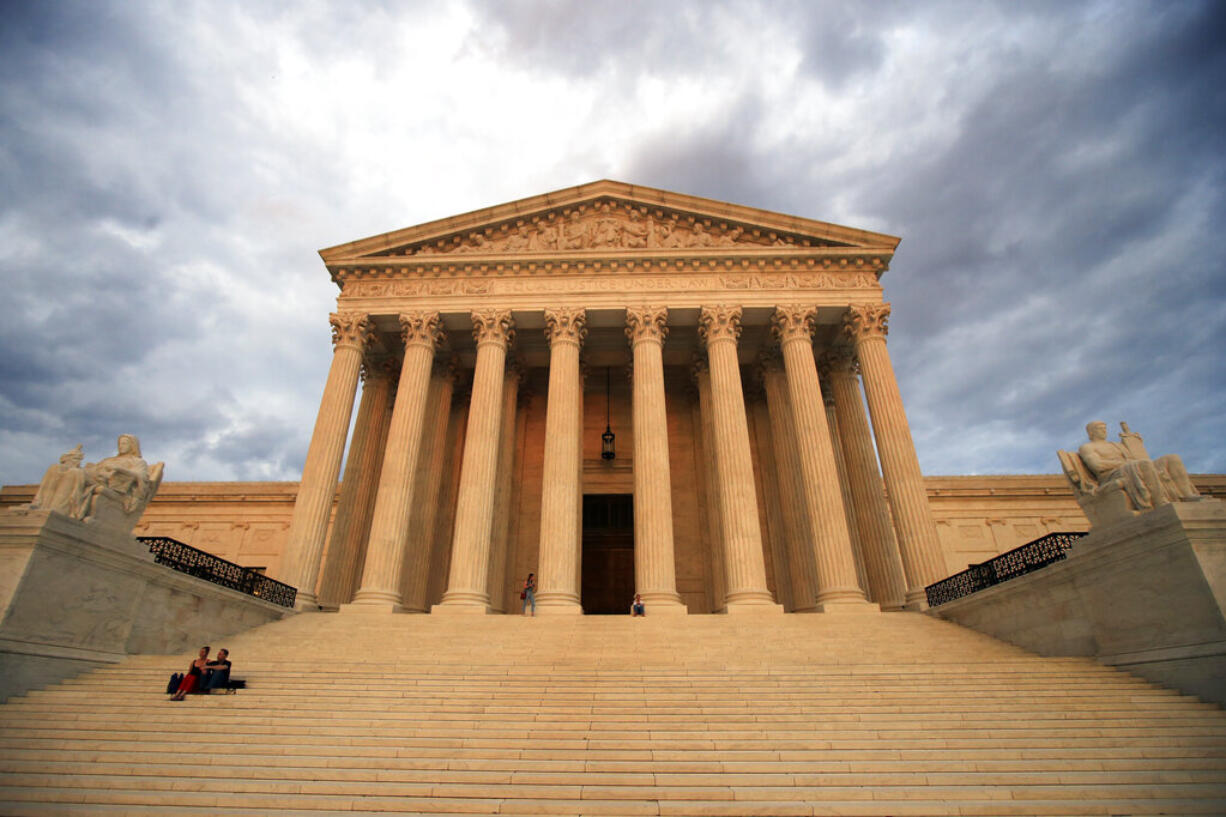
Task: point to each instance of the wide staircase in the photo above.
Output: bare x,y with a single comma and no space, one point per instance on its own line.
876,714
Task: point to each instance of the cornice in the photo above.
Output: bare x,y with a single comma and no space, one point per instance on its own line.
688,262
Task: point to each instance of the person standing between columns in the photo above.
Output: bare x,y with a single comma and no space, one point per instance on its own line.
351,334
389,527
719,328
836,565
493,330
559,557
881,560
655,571
867,325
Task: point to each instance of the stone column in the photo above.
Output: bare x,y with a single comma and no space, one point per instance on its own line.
416,573
881,560
389,527
832,422
801,558
345,551
496,586
559,557
351,333
470,545
866,325
823,502
655,570
719,328
707,478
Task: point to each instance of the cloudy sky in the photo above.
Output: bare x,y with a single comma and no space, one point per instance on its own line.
168,172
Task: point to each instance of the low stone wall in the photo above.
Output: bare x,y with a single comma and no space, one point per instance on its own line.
74,597
1147,595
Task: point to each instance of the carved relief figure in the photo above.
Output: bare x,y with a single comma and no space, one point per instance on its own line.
607,225
1114,480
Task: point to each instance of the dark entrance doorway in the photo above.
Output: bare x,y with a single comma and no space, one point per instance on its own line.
608,553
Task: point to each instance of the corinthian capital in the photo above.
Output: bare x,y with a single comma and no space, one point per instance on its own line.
352,329
565,326
421,329
719,323
838,361
866,321
493,326
646,323
770,362
793,323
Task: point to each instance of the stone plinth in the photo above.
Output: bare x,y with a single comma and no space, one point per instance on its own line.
74,597
1147,595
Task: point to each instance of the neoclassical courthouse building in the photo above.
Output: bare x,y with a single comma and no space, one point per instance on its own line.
622,390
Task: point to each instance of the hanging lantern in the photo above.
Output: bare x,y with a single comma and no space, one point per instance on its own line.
607,451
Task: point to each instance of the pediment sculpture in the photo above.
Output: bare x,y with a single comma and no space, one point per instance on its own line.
111,493
1119,480
605,225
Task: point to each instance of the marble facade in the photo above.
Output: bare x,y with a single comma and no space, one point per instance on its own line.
689,299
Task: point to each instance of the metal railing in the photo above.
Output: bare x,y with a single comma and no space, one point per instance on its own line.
193,562
1017,562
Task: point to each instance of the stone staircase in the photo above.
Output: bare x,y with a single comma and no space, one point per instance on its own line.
869,714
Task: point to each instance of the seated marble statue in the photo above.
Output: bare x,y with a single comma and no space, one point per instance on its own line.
112,492
63,486
1114,480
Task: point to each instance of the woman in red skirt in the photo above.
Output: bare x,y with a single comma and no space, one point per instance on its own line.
194,673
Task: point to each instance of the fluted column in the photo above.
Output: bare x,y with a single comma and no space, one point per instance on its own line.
655,570
336,582
853,530
496,585
351,332
415,576
836,566
867,325
801,559
389,527
708,476
559,556
744,567
881,560
470,545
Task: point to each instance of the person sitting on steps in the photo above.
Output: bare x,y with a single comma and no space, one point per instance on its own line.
217,672
194,673
636,607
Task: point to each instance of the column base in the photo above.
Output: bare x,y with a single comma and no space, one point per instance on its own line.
371,607
306,603
664,603
460,608
560,609
753,607
917,600
855,606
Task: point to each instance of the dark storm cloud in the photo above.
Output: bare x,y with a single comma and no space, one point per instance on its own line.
1054,170
1049,272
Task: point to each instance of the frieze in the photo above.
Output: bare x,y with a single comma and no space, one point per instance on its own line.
621,283
606,224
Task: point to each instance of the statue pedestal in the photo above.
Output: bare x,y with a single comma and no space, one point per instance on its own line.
76,596
1147,594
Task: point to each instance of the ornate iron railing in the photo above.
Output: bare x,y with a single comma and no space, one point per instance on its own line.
193,562
1017,562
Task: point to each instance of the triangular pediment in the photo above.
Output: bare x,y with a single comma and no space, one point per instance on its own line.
607,217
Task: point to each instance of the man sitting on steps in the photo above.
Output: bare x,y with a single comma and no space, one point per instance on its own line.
217,672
